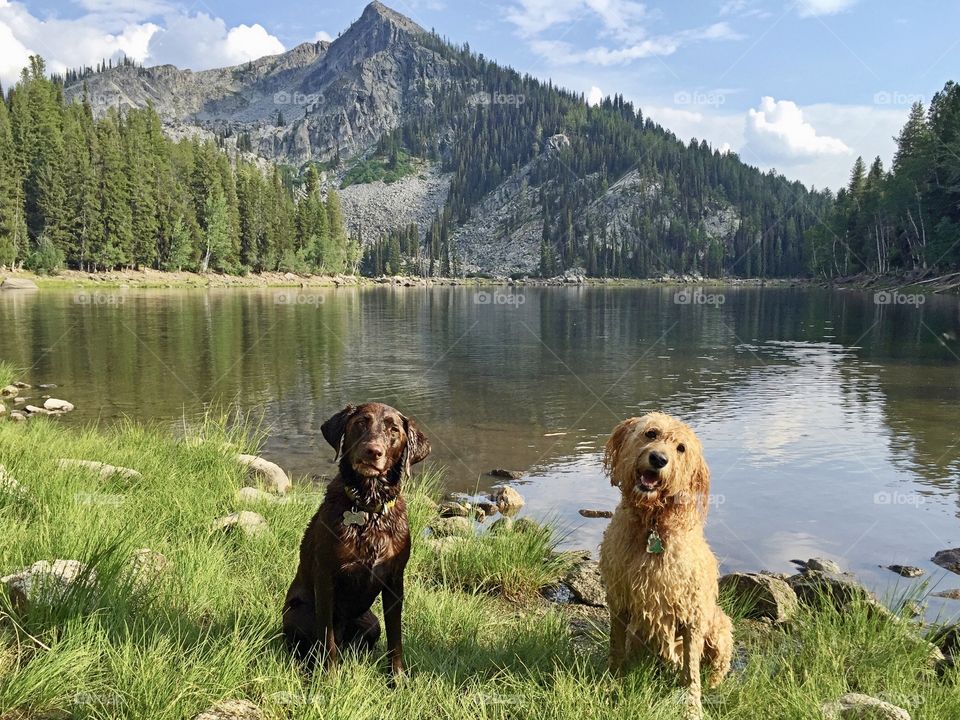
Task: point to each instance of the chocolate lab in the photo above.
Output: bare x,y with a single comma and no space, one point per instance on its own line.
357,544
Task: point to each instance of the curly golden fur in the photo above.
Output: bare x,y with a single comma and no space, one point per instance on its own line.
663,603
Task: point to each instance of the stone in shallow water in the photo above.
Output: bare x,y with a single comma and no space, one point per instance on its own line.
948,560
907,571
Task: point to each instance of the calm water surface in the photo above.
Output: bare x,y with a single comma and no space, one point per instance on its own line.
830,423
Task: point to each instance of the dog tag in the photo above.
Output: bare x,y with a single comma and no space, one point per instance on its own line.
354,518
654,543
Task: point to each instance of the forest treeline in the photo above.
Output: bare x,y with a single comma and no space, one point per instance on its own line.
904,219
115,192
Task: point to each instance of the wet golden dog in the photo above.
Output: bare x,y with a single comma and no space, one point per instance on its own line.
661,575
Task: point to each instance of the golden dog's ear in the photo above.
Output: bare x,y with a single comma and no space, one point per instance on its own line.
611,453
700,487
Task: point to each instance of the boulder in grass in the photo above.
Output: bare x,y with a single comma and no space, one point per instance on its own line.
254,495
17,416
102,469
272,475
146,566
451,527
247,522
46,582
767,597
586,584
856,706
10,391
232,710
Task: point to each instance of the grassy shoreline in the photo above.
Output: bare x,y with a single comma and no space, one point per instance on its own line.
480,640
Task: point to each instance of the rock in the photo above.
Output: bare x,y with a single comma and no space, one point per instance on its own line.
841,589
441,545
3,409
948,560
451,527
907,571
559,593
10,391
596,513
20,385
46,582
855,706
586,584
767,596
46,386
34,410
231,710
449,509
55,405
273,477
254,495
502,525
20,401
486,507
146,567
105,471
17,416
18,284
953,594
250,523
525,524
508,500
823,565
509,474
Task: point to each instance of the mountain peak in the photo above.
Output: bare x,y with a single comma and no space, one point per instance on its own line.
378,12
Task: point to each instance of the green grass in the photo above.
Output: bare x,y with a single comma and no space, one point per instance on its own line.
208,629
379,168
8,373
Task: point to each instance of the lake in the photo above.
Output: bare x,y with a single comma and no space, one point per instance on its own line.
830,422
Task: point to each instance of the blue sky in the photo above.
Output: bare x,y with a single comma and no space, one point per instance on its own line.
800,85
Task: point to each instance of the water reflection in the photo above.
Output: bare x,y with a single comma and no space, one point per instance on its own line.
809,402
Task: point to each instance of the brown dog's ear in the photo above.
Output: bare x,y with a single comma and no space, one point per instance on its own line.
334,428
611,453
418,447
700,487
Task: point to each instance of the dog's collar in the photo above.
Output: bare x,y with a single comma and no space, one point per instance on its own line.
380,509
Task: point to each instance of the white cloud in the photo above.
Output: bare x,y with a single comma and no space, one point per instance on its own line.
563,53
322,36
623,21
199,42
778,130
815,8
114,28
595,96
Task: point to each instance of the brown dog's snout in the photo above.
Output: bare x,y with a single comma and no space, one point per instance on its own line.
372,451
658,460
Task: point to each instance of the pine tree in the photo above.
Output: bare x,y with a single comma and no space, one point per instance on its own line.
111,247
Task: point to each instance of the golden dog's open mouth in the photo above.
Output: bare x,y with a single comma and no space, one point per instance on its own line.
648,481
